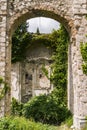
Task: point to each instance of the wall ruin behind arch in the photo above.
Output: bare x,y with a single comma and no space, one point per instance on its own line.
27,77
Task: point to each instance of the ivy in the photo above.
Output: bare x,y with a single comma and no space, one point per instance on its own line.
45,71
1,80
59,67
5,88
83,49
44,39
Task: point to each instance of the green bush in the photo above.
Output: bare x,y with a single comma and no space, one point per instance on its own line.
20,123
46,109
16,107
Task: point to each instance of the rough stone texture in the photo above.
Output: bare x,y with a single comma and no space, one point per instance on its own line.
72,14
3,13
79,79
28,78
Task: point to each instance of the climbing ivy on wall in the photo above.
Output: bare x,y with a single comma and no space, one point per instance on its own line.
45,71
83,48
59,67
45,39
5,88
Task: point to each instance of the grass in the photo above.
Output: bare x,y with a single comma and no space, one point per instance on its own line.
20,123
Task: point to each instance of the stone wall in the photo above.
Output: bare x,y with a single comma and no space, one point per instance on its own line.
59,10
79,79
3,14
72,14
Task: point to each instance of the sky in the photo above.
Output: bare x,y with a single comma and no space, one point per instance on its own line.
45,25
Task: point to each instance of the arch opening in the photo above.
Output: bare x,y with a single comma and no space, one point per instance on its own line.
42,24
34,13
19,19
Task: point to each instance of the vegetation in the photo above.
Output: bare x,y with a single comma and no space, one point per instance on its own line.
84,56
59,67
45,71
20,41
16,107
85,127
38,32
5,88
52,108
69,121
46,109
20,123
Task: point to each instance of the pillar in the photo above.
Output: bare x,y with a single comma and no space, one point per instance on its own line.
79,78
3,19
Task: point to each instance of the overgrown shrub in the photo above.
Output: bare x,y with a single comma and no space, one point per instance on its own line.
46,109
16,107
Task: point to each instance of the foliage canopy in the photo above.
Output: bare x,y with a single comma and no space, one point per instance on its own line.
20,40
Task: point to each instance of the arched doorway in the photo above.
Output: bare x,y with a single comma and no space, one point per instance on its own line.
28,74
16,18
19,18
72,15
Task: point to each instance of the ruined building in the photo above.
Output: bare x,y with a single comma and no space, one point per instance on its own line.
28,77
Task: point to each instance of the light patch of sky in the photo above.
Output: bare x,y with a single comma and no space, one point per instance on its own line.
45,25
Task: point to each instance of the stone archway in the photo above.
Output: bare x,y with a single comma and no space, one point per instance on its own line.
72,15
67,24
34,13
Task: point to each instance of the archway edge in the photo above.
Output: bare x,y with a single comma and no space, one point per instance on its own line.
21,16
18,17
